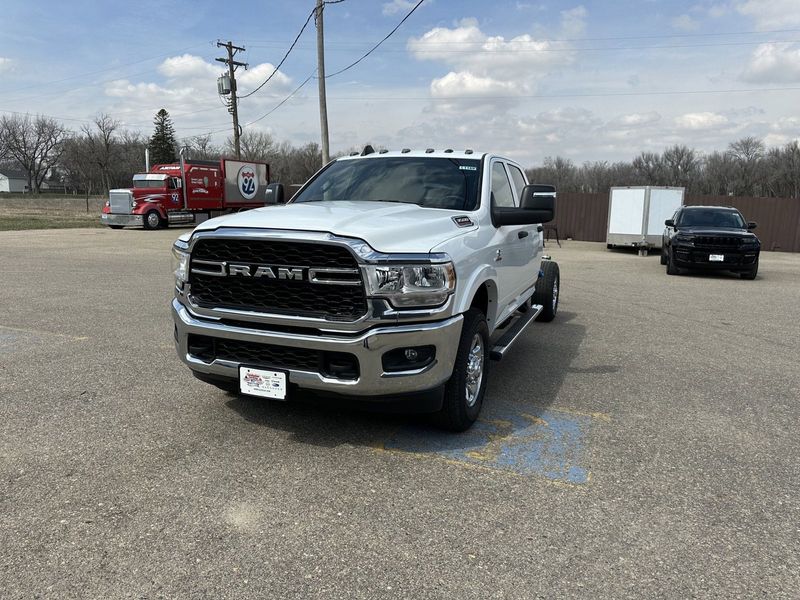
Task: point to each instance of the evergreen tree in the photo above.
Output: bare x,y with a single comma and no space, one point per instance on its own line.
162,144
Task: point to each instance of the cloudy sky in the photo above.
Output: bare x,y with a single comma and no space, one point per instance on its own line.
590,80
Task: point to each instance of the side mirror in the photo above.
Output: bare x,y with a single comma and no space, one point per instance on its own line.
669,223
752,225
539,201
274,194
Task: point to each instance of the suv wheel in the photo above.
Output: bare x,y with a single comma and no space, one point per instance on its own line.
751,274
463,393
671,268
547,291
664,255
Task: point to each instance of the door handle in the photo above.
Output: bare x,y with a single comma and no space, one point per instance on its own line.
522,234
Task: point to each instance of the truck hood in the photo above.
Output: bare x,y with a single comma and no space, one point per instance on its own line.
387,227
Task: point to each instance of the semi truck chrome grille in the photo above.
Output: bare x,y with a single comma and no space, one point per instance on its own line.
277,277
341,365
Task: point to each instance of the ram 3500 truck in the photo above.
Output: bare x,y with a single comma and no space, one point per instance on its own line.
385,276
186,192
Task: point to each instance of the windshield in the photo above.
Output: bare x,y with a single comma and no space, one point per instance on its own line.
149,183
429,182
711,218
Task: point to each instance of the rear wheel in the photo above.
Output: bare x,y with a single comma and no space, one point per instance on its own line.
463,393
664,255
547,291
751,274
152,220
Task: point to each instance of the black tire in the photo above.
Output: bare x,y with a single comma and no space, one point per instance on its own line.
116,226
547,292
664,255
609,246
152,220
751,274
671,268
459,408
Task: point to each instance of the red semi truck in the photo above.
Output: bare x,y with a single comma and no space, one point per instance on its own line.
189,191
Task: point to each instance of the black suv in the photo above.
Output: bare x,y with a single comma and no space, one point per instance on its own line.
710,237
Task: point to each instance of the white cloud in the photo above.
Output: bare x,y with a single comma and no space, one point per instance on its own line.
398,6
484,65
638,119
188,66
685,23
771,14
774,63
573,21
701,120
5,64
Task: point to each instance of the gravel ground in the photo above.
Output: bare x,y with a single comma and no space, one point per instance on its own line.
644,444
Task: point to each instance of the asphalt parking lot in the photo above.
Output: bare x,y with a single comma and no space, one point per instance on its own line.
643,445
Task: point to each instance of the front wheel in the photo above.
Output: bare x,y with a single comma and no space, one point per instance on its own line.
152,220
463,393
671,268
751,274
547,291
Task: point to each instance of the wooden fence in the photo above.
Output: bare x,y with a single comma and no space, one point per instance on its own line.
585,217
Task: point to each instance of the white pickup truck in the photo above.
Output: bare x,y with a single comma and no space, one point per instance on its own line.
389,276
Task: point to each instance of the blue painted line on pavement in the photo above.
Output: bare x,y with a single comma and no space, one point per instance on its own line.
547,443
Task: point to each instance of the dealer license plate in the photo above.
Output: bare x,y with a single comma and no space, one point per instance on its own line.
716,258
262,382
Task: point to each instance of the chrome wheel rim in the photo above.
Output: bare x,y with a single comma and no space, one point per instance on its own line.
475,360
153,220
555,295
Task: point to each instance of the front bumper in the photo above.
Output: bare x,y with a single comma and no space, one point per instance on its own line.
121,220
689,257
368,347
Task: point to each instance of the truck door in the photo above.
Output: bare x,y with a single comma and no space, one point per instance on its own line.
513,245
534,235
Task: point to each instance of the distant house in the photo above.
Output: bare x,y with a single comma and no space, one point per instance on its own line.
13,181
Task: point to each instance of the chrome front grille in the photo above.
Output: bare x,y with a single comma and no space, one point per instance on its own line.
211,288
120,202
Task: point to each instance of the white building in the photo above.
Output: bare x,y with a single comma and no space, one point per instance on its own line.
13,181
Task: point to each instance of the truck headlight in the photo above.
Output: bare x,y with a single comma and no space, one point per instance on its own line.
411,285
180,265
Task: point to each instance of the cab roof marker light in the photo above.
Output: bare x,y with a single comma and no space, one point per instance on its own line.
468,151
448,151
405,150
382,151
429,151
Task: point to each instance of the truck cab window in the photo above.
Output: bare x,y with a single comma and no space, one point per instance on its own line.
501,188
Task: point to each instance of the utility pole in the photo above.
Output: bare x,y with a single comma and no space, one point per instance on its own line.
323,104
233,104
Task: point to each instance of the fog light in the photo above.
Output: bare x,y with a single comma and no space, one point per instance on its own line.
408,359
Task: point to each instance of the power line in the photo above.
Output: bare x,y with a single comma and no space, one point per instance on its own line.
576,95
375,47
289,51
582,39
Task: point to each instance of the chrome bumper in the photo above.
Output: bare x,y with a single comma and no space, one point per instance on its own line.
368,346
123,220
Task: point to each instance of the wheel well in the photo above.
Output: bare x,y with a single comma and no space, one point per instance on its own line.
481,300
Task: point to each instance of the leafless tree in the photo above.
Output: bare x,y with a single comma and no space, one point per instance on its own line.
681,165
747,153
36,144
201,147
102,147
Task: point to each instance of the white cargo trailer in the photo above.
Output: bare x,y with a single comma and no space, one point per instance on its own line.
636,215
